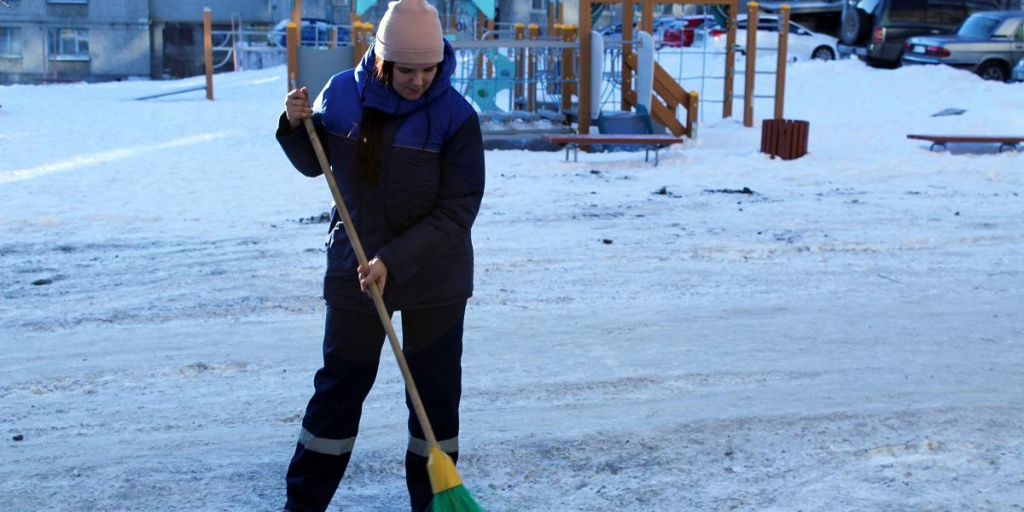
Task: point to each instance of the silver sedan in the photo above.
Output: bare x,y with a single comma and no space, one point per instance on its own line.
987,43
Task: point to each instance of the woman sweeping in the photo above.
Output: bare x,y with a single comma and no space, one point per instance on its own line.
406,151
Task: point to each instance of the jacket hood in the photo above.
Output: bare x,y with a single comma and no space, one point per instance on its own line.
376,94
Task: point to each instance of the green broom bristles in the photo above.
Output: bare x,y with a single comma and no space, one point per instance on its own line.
456,499
449,493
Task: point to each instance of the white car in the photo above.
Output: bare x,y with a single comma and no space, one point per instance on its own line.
803,44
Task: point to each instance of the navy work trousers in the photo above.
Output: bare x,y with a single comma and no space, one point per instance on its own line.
432,344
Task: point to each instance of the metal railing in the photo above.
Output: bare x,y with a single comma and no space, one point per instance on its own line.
252,48
511,75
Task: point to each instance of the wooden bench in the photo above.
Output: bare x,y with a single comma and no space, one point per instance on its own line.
650,143
940,141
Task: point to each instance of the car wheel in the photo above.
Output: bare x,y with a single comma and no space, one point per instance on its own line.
823,53
855,24
992,71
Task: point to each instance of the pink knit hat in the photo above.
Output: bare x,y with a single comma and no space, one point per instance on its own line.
410,33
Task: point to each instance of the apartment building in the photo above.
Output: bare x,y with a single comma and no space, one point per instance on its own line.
43,41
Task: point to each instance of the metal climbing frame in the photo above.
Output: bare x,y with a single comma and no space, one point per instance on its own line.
701,51
524,71
669,94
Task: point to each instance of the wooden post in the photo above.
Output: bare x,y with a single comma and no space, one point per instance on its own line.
208,50
453,16
566,65
531,75
292,38
481,24
627,50
520,66
551,19
691,115
647,17
583,91
574,81
490,64
780,72
730,62
748,92
354,21
332,34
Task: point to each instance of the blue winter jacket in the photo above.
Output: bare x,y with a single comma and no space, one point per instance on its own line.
417,218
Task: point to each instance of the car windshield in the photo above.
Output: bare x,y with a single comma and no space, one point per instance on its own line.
978,26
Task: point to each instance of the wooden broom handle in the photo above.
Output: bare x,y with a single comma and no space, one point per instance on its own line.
378,300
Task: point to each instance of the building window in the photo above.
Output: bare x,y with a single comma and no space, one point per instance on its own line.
68,44
10,42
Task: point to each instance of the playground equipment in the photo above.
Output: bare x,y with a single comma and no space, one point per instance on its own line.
529,79
520,82
484,91
208,58
668,93
623,121
312,67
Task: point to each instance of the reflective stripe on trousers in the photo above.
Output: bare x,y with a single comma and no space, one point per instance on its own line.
324,445
421,448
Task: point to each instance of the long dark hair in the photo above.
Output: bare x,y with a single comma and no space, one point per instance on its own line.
371,128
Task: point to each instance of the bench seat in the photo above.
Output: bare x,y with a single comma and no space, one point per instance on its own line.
940,141
574,140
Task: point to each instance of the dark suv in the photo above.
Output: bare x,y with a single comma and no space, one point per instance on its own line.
875,30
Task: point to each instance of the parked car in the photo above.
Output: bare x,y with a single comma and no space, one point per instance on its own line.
679,34
876,30
660,24
614,32
802,43
1018,72
312,32
802,6
988,43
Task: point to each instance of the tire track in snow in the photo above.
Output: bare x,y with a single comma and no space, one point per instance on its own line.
102,157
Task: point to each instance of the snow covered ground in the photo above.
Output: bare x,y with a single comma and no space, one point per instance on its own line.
849,336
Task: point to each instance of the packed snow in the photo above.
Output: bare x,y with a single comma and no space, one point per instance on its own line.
845,334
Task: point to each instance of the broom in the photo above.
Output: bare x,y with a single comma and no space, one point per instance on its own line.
449,493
